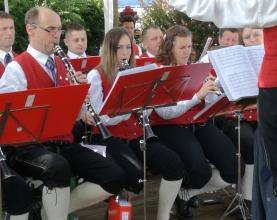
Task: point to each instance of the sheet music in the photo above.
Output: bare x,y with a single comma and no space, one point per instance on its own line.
206,47
235,72
256,55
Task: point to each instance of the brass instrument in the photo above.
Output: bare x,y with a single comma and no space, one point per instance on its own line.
105,134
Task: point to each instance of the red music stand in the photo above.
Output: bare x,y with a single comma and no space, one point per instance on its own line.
33,115
223,106
154,88
145,61
85,64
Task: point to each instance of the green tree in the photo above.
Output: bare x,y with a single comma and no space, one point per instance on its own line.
160,13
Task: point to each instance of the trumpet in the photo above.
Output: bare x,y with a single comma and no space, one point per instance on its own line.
105,134
143,119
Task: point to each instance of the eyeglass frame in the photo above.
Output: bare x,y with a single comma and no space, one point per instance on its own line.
49,31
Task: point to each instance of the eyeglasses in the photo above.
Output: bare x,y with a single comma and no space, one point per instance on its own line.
53,32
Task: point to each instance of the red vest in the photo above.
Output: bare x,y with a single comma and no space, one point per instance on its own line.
268,72
144,55
37,78
136,49
2,67
128,129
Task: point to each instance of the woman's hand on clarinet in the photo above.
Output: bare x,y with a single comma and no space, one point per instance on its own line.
87,118
207,88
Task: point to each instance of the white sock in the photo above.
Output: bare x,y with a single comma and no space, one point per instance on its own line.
247,182
86,194
55,203
215,183
167,194
20,217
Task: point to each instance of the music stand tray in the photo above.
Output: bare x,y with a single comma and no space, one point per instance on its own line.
154,88
31,115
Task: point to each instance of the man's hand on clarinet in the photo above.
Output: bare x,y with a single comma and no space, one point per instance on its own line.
80,77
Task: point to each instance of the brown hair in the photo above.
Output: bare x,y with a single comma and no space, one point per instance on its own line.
222,30
108,63
165,54
31,16
144,32
73,26
5,15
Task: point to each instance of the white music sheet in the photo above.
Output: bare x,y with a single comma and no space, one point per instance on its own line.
235,72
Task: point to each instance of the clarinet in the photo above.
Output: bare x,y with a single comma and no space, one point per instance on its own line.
105,134
141,118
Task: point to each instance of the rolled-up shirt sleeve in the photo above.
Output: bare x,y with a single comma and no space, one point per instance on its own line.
177,110
230,13
96,97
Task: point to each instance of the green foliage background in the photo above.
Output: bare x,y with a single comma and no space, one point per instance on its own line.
89,13
161,14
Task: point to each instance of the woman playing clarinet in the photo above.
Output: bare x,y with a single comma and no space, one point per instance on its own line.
124,149
194,142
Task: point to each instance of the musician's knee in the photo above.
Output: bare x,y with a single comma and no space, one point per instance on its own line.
56,172
116,180
174,169
196,177
232,175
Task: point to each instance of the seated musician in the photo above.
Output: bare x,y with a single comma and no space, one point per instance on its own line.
152,38
38,68
16,195
75,40
124,149
193,141
249,37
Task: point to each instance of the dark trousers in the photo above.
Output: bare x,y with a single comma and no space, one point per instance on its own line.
16,195
128,155
120,153
55,170
267,118
247,130
194,144
160,158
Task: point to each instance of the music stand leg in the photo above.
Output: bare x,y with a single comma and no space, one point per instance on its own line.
143,148
238,196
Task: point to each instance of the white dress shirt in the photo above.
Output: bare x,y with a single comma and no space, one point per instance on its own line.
230,13
96,97
14,74
3,54
74,56
182,107
149,54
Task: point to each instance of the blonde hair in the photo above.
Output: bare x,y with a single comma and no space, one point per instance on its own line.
108,63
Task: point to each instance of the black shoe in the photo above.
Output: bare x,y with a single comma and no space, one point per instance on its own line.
182,208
